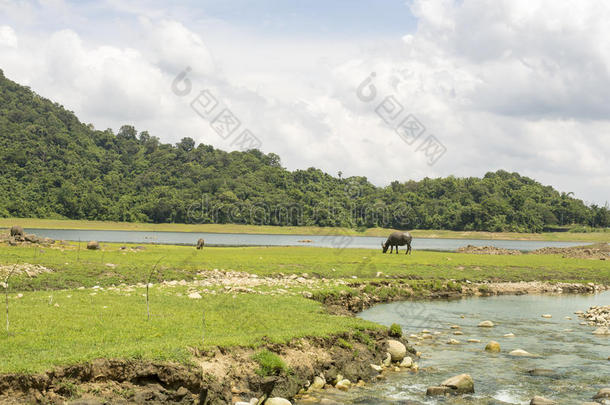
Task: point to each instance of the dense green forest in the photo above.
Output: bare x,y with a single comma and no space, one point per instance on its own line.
54,166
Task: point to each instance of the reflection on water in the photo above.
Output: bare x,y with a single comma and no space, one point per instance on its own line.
229,239
578,359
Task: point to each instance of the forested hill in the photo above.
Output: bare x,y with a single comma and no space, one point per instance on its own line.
54,166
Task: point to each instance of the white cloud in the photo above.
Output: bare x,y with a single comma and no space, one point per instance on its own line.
510,84
8,37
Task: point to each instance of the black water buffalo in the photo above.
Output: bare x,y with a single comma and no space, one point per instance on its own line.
397,239
200,243
17,231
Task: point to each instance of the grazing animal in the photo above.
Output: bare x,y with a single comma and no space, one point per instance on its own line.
16,230
200,243
397,239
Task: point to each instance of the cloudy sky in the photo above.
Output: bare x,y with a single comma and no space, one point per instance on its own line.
520,85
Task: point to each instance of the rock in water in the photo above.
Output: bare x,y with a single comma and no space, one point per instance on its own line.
602,394
343,385
541,401
277,401
493,347
521,353
317,384
406,362
547,315
433,391
460,384
397,350
93,245
486,324
545,372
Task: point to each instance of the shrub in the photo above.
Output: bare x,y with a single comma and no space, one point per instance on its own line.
395,330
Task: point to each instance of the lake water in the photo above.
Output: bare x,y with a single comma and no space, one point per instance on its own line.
578,358
229,239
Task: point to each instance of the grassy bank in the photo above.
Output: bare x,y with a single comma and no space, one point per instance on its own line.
296,230
89,305
70,327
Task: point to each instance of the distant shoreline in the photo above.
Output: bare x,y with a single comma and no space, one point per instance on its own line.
296,230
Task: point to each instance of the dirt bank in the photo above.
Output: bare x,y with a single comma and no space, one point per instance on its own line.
599,251
217,376
488,250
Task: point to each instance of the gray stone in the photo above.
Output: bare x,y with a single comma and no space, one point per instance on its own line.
460,384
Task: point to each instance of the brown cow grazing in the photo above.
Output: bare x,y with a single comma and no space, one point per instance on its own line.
200,243
397,239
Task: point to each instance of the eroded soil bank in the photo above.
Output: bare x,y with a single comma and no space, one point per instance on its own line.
217,376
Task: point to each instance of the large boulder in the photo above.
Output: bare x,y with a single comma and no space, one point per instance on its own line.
397,350
93,245
17,232
460,384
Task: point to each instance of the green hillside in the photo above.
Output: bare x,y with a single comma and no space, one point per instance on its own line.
54,166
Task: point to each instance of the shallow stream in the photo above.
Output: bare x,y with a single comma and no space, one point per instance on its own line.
578,358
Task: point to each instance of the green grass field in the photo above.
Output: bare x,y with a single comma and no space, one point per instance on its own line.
58,318
87,268
296,230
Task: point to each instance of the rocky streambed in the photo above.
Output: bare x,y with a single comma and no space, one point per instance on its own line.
515,349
